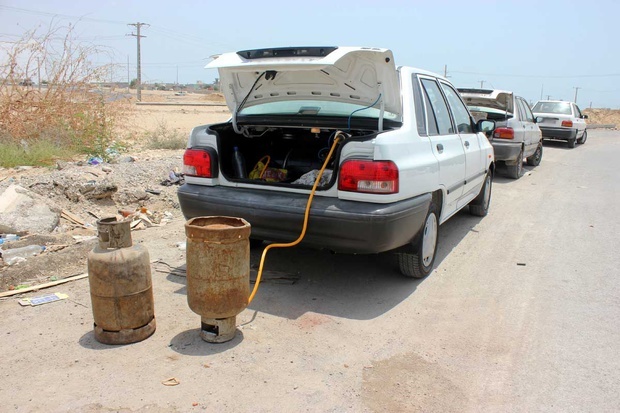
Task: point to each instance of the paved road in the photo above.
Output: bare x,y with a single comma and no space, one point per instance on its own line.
521,314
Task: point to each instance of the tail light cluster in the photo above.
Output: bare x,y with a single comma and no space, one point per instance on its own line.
200,162
504,133
567,123
376,177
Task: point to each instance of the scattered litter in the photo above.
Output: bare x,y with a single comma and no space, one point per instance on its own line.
175,177
522,264
25,289
83,238
95,160
182,245
42,299
8,237
310,177
72,218
17,255
153,191
106,169
172,381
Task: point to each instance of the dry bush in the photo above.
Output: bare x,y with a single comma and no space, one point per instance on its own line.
164,137
64,110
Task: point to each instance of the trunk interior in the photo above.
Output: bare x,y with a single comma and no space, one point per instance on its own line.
295,155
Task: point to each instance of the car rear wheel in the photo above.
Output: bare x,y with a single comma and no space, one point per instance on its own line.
536,157
514,171
416,259
480,205
571,143
584,138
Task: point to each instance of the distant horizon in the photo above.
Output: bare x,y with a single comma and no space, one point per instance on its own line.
523,47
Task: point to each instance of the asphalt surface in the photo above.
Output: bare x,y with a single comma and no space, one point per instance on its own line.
522,313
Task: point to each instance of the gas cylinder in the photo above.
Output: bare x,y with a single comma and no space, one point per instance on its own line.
121,292
218,273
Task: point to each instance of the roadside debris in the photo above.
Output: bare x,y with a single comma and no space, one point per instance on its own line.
172,381
8,237
42,286
175,177
42,299
17,255
23,210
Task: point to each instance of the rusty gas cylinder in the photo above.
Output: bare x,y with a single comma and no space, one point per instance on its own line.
218,273
119,274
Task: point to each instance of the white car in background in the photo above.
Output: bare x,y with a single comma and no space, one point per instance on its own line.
516,135
561,120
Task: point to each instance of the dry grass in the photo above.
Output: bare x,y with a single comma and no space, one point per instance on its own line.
64,111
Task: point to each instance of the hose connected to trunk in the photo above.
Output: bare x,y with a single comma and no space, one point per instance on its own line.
306,217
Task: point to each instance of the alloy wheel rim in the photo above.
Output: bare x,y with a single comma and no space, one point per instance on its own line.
429,240
487,192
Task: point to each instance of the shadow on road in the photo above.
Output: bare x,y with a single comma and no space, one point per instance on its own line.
360,287
189,343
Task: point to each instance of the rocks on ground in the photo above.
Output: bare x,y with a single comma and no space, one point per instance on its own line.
58,209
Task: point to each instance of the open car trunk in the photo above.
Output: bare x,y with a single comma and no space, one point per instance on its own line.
281,156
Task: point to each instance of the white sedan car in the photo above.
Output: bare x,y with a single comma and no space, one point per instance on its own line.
561,120
407,154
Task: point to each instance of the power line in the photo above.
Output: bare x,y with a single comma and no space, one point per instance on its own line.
536,76
67,16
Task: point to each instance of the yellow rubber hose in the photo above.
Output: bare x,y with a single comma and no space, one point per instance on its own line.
306,216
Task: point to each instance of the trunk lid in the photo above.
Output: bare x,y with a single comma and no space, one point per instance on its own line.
351,75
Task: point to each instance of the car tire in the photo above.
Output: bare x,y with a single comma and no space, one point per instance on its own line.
536,157
515,171
571,143
416,260
584,138
480,205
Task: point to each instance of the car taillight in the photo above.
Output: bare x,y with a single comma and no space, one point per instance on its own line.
377,177
567,123
197,162
504,133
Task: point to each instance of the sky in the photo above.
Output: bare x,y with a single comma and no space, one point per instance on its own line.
537,49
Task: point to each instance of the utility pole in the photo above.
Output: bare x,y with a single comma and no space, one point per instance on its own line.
481,84
177,74
576,90
541,91
137,35
445,71
128,79
548,97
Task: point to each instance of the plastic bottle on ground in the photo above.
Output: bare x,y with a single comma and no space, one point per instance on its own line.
16,255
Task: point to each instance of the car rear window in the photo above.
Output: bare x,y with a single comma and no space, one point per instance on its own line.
315,108
559,108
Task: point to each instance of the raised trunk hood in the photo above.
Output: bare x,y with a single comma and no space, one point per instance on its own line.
344,74
496,99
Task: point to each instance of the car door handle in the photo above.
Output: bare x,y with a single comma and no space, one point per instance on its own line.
439,148
467,144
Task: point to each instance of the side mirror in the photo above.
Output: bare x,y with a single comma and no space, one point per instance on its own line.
585,116
486,126
538,119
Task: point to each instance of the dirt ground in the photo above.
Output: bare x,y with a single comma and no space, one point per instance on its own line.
326,333
516,317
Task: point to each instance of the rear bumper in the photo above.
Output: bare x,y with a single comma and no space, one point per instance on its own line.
506,151
341,226
558,133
